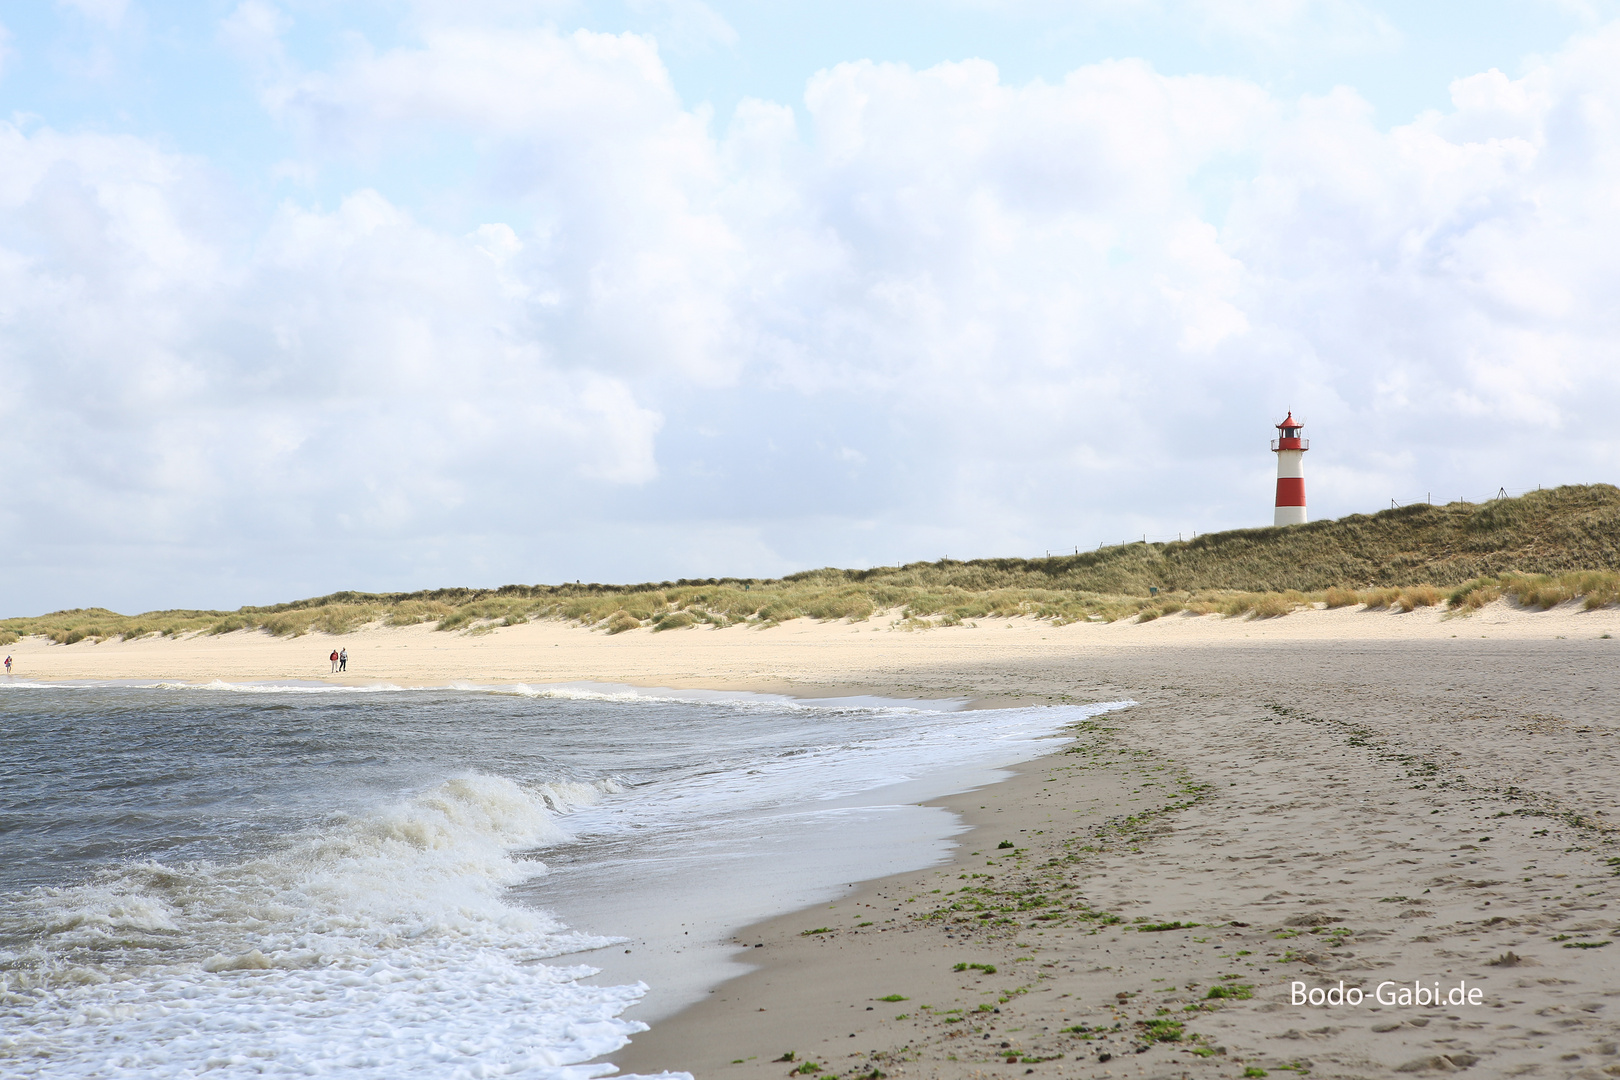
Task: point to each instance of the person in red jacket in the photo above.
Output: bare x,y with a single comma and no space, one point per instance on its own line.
333,658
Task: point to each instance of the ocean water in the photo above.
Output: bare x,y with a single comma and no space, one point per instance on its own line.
286,880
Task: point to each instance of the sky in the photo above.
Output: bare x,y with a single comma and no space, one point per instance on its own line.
302,296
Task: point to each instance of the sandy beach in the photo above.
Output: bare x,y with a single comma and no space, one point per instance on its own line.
801,657
1333,798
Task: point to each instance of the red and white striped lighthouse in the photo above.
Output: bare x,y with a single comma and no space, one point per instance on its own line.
1290,450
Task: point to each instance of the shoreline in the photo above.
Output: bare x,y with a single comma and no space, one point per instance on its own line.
830,695
908,827
801,980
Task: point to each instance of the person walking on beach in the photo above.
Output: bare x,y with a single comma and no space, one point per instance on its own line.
8,665
343,660
333,658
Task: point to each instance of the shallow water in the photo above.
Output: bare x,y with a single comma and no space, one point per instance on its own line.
268,879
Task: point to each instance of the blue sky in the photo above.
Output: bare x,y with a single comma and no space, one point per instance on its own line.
301,296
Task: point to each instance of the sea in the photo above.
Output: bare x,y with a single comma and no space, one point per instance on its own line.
283,879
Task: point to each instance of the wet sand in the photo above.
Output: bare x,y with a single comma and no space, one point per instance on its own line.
1365,812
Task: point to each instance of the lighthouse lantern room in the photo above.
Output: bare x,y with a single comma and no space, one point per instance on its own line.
1290,450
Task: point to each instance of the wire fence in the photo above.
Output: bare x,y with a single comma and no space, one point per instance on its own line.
1428,497
1145,538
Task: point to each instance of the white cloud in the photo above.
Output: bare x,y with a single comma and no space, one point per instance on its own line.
253,31
1343,26
1465,258
1283,27
943,314
586,129
109,13
515,83
685,26
349,374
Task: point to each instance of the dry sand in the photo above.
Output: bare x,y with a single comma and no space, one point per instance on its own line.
800,657
1343,795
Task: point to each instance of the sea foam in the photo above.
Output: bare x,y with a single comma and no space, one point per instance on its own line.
275,688
381,945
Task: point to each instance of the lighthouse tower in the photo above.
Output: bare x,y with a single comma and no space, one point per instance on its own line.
1290,450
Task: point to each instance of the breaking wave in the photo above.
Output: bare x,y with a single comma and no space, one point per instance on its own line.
380,945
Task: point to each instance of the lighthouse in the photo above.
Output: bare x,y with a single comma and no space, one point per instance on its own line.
1290,450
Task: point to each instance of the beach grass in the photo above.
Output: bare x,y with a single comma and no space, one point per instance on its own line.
1539,550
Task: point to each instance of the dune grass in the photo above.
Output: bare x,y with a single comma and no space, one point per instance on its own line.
1539,550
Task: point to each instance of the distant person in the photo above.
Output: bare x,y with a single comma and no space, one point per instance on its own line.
8,665
334,659
343,660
